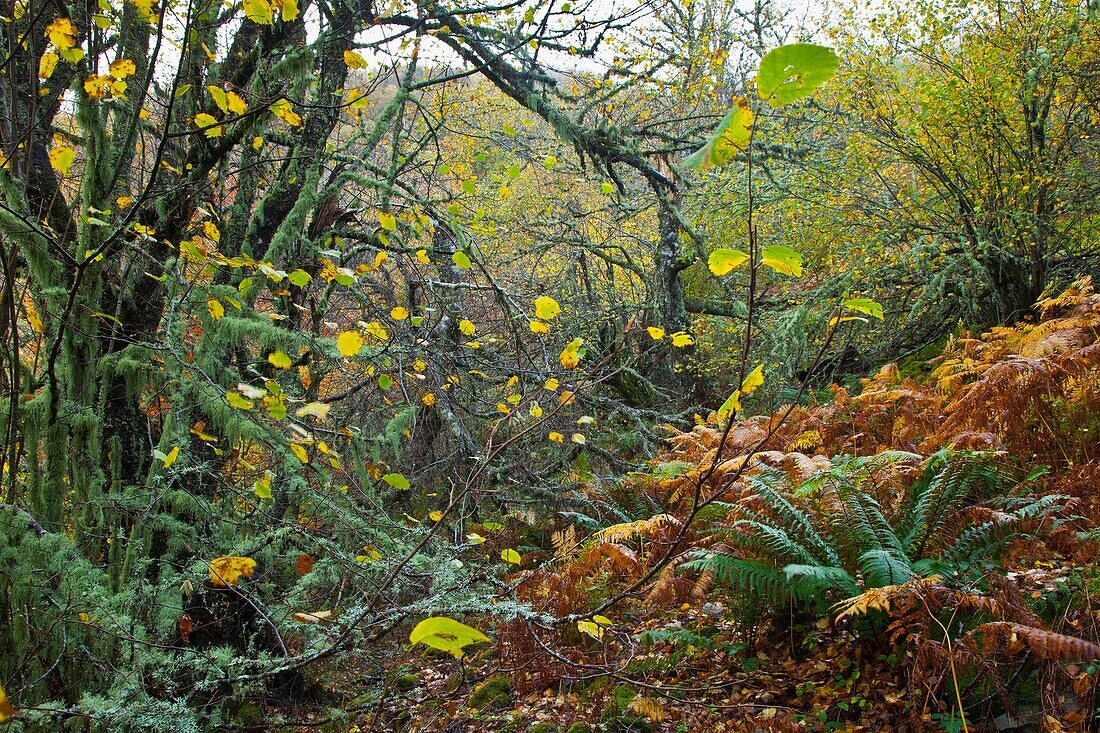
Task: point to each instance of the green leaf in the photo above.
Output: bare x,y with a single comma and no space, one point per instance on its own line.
865,306
262,487
397,481
235,400
723,260
461,260
299,278
730,137
385,381
782,259
446,634
511,556
793,72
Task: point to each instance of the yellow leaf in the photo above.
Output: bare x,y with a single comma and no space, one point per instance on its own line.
354,60
754,379
299,452
284,111
578,439
259,11
318,410
236,104
349,343
570,355
556,437
428,399
511,556
145,10
124,201
551,384
279,359
546,308
377,331
656,333
467,327
96,86
538,327
171,457
227,571
435,516
62,158
288,9
47,64
209,125
422,257
62,34
399,313
122,68
236,400
567,397
219,96
257,142
217,310
680,339
6,710
388,221
313,617
210,229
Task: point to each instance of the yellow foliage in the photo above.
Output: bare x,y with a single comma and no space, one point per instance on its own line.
226,571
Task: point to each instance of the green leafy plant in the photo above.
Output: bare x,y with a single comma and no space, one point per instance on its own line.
837,534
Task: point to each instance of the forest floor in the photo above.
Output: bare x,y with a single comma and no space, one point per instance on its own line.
686,654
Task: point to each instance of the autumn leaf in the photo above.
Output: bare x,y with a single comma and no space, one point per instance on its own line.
259,11
682,339
317,410
349,343
62,158
279,359
47,64
461,260
511,556
446,634
754,379
722,261
6,710
398,313
285,112
354,60
217,310
538,327
547,308
239,402
387,221
227,571
122,68
62,34
655,333
171,457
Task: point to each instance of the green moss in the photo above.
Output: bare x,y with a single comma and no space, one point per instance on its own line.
407,681
494,693
617,703
541,728
579,728
628,724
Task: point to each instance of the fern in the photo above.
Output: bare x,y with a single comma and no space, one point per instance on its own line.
834,539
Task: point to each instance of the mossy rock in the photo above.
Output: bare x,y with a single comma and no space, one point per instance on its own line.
617,703
248,714
494,693
541,728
